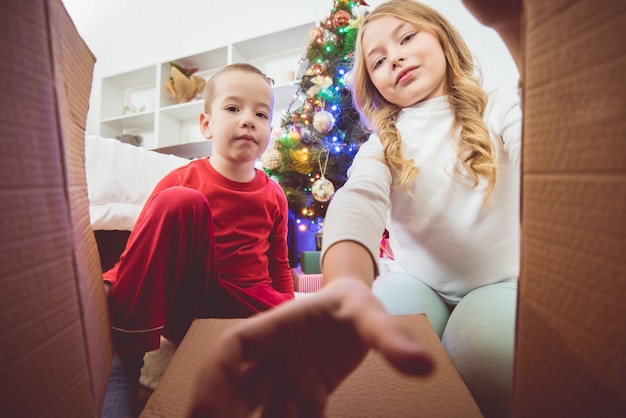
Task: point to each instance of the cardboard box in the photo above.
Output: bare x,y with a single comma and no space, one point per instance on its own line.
55,354
571,333
388,394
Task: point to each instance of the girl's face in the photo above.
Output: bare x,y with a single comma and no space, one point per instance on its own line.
405,62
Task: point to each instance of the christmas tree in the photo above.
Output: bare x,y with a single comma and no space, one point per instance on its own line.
321,132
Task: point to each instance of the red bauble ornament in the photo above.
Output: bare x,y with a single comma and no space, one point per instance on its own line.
341,19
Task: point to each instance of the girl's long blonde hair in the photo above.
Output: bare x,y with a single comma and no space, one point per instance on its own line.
467,98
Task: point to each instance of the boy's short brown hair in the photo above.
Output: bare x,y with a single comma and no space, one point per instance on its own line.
209,90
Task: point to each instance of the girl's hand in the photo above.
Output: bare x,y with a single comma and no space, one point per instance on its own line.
505,17
494,13
286,362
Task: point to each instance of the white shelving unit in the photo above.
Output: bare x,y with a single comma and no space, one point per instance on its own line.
136,102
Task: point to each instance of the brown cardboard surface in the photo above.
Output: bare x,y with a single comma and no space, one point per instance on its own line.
571,339
373,390
75,63
571,334
54,351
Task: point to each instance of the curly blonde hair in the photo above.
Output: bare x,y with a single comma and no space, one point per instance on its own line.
476,154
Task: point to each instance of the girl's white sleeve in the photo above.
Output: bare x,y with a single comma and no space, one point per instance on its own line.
504,117
358,210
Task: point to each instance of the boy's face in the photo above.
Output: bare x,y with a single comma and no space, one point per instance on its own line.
239,122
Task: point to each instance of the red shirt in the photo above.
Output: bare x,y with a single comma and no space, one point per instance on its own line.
250,226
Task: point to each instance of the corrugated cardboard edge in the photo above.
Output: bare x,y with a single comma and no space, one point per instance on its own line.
571,335
45,360
75,63
373,390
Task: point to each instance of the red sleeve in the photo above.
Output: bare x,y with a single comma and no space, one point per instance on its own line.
278,254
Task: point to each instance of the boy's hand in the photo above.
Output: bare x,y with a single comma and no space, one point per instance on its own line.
287,361
108,288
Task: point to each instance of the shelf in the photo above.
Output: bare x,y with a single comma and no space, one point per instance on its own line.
134,120
214,58
135,88
162,122
275,43
184,111
207,63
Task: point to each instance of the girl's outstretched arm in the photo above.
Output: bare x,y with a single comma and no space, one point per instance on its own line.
505,17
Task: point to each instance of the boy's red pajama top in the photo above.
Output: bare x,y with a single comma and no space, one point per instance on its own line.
211,248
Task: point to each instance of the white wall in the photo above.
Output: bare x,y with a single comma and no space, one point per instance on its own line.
128,34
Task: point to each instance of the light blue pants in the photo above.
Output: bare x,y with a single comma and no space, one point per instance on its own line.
479,334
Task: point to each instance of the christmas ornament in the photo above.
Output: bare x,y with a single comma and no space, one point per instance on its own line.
320,83
348,78
293,135
359,13
271,159
341,19
323,121
316,34
277,132
322,190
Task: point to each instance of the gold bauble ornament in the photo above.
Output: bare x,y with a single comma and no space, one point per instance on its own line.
271,159
322,190
294,135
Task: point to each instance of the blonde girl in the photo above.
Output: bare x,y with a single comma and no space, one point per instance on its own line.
441,173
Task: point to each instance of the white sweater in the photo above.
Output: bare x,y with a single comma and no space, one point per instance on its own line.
445,236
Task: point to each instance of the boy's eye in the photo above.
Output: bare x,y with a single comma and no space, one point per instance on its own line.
262,115
231,108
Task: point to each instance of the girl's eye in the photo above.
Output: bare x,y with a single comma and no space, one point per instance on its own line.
262,115
378,63
407,38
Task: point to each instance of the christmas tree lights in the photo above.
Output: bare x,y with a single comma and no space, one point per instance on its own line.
321,132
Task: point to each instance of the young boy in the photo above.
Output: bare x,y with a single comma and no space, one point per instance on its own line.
211,240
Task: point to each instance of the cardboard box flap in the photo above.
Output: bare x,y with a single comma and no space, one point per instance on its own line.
46,355
571,335
74,63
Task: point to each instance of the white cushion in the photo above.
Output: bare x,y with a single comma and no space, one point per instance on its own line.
120,177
